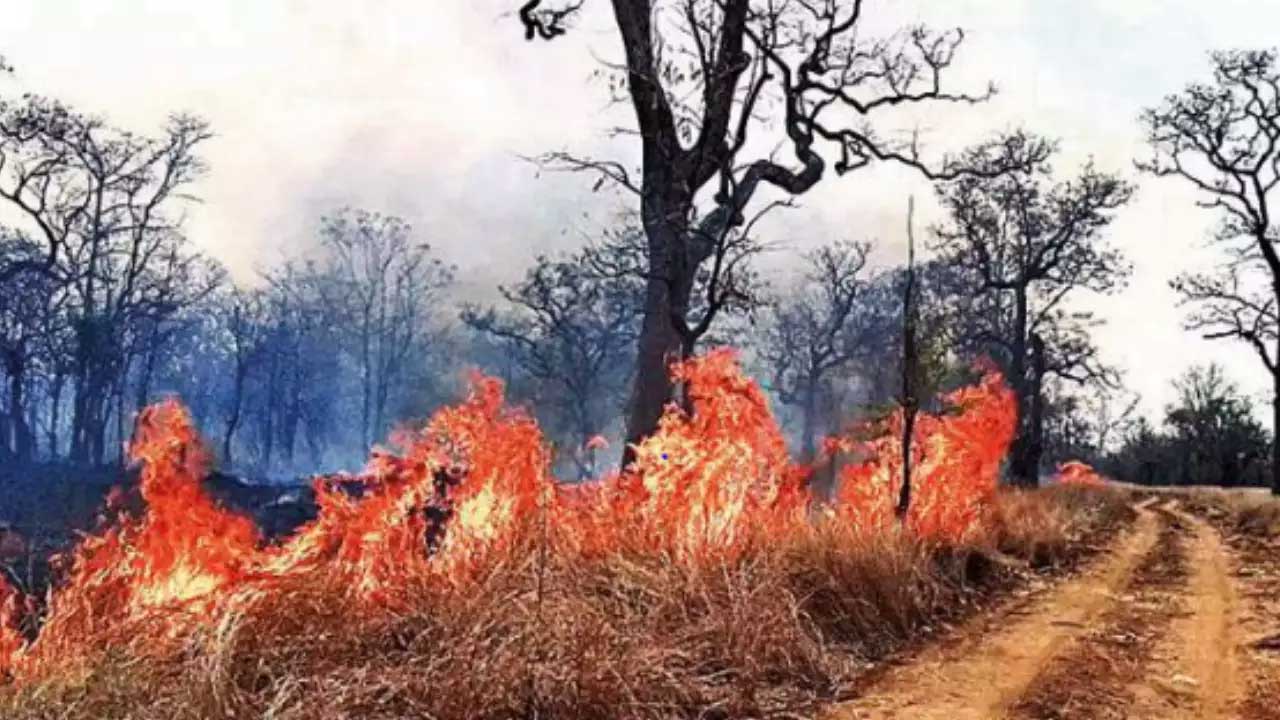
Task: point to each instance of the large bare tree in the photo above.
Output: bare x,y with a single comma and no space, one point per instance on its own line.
1026,243
708,80
1223,138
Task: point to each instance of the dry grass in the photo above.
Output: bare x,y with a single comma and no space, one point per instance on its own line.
1252,513
1257,515
776,632
1056,526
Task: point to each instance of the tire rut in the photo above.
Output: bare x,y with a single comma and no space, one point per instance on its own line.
1198,671
1107,674
989,670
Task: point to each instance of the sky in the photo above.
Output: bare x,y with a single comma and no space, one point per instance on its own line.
427,109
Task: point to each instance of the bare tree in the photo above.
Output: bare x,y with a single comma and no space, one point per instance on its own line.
1027,243
245,323
382,284
1223,138
704,77
815,330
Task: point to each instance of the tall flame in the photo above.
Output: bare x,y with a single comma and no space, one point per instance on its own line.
704,477
956,458
446,502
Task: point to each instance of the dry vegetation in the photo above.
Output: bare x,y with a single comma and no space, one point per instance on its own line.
778,630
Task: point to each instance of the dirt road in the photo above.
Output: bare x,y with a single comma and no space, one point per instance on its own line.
1156,628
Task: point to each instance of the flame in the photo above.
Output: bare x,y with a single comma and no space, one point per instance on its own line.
956,459
448,501
1078,473
704,478
11,641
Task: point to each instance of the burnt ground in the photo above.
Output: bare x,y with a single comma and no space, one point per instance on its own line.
44,508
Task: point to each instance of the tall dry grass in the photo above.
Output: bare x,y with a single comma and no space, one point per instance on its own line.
1250,512
775,632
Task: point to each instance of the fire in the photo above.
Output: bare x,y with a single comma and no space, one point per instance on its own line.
449,500
1078,473
705,479
956,459
11,641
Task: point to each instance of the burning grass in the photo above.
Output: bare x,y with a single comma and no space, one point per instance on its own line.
465,583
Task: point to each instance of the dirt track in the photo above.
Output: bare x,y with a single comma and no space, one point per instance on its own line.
1156,628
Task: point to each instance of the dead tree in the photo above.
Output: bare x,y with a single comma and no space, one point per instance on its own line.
1025,244
910,400
1223,138
707,80
815,330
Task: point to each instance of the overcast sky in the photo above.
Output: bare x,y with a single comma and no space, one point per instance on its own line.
423,108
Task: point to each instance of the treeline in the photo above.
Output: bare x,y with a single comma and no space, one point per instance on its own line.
105,306
1209,436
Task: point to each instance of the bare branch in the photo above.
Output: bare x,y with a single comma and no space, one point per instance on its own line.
546,23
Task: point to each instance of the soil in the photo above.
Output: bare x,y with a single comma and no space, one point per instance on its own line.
1179,619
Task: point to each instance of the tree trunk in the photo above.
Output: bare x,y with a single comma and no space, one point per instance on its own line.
119,412
366,383
84,389
143,390
1022,471
6,451
658,346
808,440
55,413
1035,429
910,365
289,435
15,366
233,418
79,451
667,291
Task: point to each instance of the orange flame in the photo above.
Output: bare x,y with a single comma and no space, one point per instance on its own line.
704,478
956,458
11,641
1078,473
456,494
